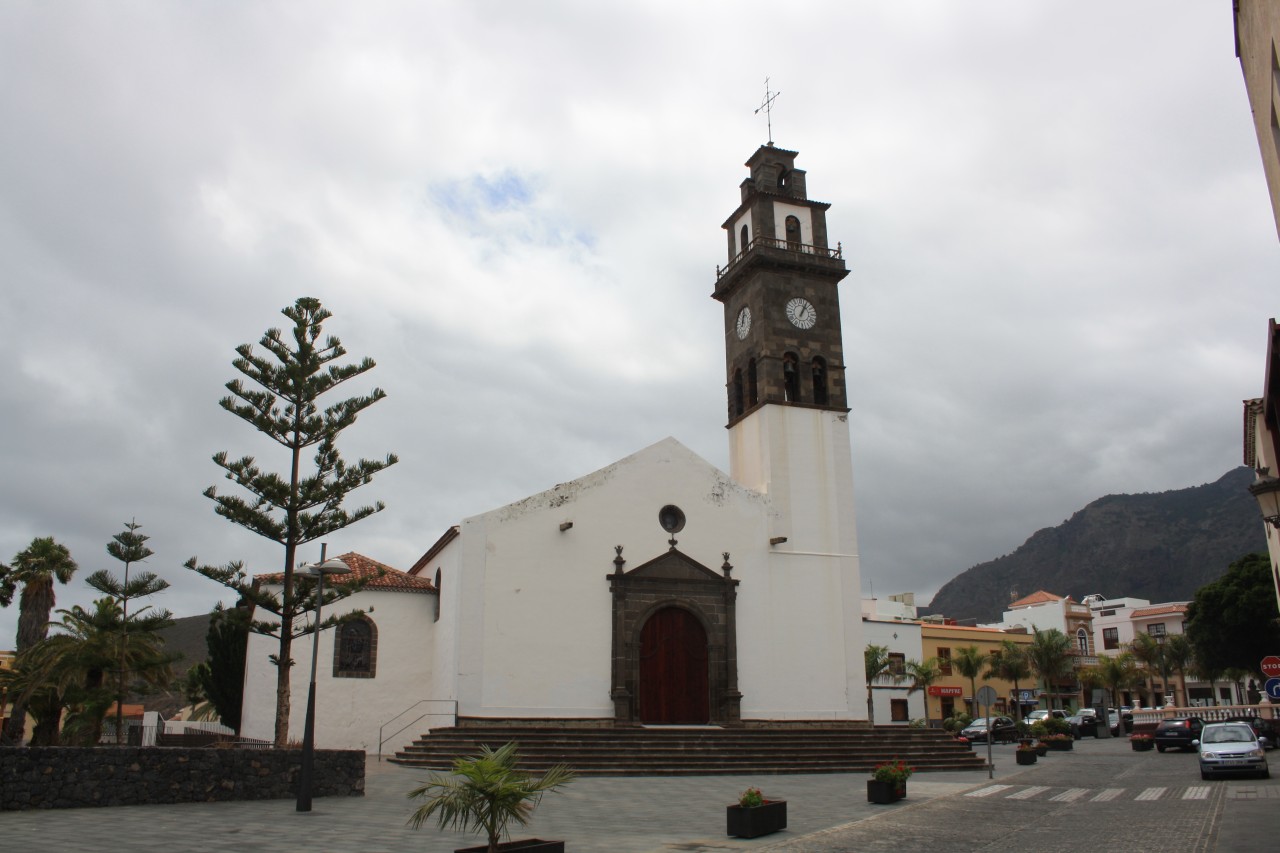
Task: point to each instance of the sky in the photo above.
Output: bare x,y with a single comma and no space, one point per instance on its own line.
1061,251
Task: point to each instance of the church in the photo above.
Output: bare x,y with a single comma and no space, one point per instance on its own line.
658,590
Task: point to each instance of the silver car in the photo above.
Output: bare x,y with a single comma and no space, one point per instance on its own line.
1231,748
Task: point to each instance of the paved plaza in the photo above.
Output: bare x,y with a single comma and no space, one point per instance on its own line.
1099,796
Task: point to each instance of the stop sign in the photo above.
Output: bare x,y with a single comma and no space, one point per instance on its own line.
1271,666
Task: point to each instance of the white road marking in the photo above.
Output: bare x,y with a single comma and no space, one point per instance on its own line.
1106,795
1200,792
1028,793
988,791
1151,794
1070,795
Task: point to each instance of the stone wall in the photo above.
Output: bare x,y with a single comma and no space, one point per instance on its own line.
76,777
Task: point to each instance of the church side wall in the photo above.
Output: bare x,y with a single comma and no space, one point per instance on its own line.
350,710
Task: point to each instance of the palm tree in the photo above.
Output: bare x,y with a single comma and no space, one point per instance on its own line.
922,674
1148,652
1117,673
879,665
486,792
36,568
1178,656
1050,657
969,662
1009,662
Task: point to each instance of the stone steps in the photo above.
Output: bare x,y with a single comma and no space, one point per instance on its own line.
699,751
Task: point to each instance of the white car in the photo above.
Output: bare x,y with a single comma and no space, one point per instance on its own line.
1231,748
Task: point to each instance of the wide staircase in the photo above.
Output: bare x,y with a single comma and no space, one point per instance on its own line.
699,751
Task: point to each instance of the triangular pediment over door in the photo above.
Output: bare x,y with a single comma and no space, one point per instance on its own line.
674,646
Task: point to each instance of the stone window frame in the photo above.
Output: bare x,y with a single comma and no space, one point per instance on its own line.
372,671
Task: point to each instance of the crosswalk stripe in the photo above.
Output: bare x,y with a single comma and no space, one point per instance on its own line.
1070,795
988,791
1028,793
1106,795
1151,794
1200,792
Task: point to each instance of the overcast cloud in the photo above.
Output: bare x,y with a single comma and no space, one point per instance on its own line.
1062,253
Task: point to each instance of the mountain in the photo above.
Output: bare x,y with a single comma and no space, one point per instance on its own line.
1161,547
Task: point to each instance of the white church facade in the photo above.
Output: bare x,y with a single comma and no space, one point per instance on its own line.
659,589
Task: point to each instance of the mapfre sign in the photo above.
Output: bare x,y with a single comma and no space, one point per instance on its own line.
939,690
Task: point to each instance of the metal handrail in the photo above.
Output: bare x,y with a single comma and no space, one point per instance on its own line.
382,740
776,243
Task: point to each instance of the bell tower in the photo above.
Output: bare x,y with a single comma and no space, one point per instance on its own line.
784,356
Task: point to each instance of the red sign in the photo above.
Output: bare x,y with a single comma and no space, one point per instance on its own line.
936,690
1271,666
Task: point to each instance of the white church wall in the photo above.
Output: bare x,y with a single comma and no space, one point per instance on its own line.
349,710
781,210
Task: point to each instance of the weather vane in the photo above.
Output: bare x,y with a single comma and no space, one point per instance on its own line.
767,106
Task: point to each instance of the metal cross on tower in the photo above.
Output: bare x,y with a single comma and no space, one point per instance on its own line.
767,106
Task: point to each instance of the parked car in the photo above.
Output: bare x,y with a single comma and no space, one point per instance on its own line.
1231,748
1263,728
1114,718
1178,733
1083,725
1042,714
1003,730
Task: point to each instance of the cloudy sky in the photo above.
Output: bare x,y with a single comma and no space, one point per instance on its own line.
1062,254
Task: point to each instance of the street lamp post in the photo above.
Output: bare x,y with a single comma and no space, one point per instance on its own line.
318,571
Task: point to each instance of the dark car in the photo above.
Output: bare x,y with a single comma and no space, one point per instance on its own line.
1003,730
1178,733
1083,725
1264,729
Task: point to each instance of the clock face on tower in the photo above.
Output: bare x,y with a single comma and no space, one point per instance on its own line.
743,325
801,313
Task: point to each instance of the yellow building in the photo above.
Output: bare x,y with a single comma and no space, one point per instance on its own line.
6,662
951,694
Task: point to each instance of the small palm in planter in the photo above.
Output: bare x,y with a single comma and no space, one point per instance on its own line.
754,816
1026,754
485,793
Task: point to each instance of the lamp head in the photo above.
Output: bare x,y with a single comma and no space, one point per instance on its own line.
332,566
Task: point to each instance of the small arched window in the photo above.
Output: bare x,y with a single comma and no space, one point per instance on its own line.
1082,640
355,649
783,178
793,232
791,377
742,243
437,594
753,392
819,368
737,409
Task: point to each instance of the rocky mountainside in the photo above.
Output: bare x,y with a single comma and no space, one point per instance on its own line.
1161,547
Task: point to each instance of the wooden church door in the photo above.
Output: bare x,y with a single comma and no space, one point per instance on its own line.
673,669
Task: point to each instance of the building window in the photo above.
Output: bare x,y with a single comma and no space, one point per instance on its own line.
897,664
793,232
737,394
355,649
898,711
791,377
1082,640
1111,638
1156,630
743,246
819,381
753,393
944,661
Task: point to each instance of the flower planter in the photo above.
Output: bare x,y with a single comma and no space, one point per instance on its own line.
1141,745
1061,745
744,822
1042,750
1025,756
884,793
524,845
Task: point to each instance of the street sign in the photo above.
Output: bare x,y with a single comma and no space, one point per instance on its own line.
1273,688
986,696
1271,666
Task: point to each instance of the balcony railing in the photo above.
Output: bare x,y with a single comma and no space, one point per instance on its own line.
786,246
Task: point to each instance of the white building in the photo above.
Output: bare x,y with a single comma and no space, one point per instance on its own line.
891,622
657,590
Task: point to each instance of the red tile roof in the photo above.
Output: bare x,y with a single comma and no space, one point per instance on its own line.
1037,597
381,576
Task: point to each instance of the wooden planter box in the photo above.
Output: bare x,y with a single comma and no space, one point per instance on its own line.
743,822
1141,745
883,793
1025,756
1061,745
524,845
1042,750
